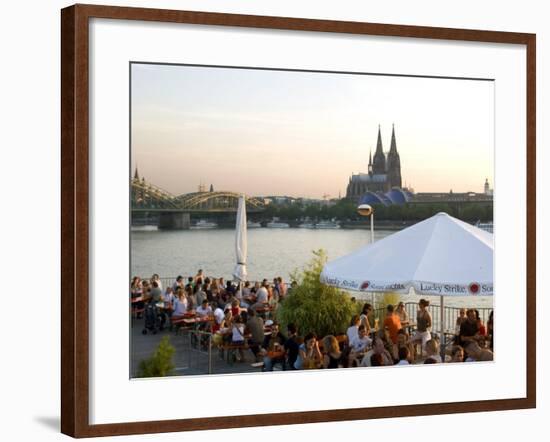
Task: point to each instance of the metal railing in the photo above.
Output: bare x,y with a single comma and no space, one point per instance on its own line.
197,351
450,315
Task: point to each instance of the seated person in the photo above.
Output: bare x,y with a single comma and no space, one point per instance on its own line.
309,355
353,329
332,354
237,336
273,350
180,305
432,351
469,329
359,345
404,356
379,351
457,354
204,310
477,354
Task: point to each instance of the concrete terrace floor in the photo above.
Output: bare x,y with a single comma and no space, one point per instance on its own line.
188,360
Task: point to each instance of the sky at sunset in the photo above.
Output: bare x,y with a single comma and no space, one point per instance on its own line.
265,132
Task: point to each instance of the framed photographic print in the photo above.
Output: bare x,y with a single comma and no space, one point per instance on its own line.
296,208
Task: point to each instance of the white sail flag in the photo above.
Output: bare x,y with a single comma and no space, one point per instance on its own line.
241,241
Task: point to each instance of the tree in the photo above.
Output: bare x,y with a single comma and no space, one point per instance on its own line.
316,307
160,364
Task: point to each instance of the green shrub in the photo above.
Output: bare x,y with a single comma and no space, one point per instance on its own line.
160,364
316,307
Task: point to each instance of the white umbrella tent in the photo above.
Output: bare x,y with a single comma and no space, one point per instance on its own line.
438,256
241,241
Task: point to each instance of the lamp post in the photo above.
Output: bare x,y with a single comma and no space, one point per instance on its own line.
367,210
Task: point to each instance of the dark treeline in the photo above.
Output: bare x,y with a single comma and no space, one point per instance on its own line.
346,211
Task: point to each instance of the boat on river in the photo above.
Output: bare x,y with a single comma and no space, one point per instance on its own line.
204,224
327,225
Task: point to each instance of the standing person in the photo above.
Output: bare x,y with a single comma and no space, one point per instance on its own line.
168,298
460,319
402,314
191,298
199,276
262,295
423,325
292,347
190,283
469,329
178,284
156,292
255,325
156,278
482,329
366,313
200,294
392,323
282,287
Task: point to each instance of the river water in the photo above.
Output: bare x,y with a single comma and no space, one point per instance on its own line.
271,253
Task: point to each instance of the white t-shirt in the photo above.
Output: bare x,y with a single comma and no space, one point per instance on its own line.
238,332
262,295
353,333
180,307
218,314
403,362
201,311
360,344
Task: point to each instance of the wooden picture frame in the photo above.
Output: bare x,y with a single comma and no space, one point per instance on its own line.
75,218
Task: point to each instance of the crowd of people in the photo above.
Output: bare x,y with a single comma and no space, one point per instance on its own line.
238,315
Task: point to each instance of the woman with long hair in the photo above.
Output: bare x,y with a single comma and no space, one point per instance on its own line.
331,352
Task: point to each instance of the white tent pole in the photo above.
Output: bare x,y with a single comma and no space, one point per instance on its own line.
442,326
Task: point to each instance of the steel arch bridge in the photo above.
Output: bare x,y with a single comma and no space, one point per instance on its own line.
146,196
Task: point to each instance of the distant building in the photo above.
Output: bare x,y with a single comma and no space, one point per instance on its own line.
383,173
486,189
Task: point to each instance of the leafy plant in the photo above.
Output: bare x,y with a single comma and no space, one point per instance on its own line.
316,307
160,364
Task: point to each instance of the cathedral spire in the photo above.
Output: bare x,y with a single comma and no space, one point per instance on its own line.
136,174
379,143
379,160
393,146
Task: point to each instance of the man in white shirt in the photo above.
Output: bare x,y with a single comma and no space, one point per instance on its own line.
262,294
361,342
204,309
359,345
